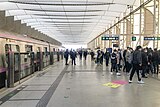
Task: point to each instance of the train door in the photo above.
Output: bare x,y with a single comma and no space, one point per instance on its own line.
54,54
46,57
17,63
51,58
39,60
27,61
14,64
32,62
2,70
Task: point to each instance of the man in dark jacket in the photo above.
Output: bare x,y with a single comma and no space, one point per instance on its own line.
114,62
124,58
120,59
144,63
107,56
92,55
73,56
101,57
58,55
137,63
85,53
155,60
80,54
66,55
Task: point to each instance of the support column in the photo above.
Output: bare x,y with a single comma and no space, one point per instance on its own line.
2,19
124,30
9,24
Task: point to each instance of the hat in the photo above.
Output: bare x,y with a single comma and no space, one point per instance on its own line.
138,47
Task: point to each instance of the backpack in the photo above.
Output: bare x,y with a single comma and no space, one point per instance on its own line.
113,58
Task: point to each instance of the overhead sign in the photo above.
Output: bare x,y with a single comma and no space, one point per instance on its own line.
133,38
151,38
110,38
115,45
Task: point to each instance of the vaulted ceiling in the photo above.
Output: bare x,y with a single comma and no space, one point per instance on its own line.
68,21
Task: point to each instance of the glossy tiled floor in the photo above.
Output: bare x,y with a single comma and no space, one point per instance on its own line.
82,86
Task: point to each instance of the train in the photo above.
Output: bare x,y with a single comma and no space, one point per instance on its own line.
21,56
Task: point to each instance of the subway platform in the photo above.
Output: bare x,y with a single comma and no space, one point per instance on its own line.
82,85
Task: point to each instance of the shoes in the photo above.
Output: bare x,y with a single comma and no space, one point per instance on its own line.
111,73
118,74
130,81
66,64
144,77
140,82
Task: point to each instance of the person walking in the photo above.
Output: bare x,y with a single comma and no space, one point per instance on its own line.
137,63
66,55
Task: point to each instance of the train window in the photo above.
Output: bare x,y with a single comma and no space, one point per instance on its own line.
28,48
54,50
7,48
11,47
45,51
38,49
17,48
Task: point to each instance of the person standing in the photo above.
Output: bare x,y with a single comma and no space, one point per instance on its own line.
92,55
150,62
119,60
61,53
85,54
124,58
144,63
101,57
98,57
155,60
80,54
107,56
66,55
58,55
137,63
114,62
129,55
73,57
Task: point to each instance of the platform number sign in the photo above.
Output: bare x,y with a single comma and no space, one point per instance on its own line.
133,38
110,38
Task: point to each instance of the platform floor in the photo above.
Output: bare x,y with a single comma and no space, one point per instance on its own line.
82,86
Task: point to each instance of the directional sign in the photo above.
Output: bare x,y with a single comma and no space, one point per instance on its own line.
152,38
133,38
110,38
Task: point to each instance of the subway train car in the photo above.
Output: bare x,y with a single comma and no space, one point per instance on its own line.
21,56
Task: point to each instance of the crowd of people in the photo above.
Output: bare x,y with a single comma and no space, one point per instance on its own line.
143,61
